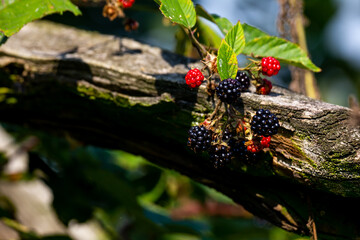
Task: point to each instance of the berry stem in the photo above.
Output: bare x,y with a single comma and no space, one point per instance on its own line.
199,47
217,107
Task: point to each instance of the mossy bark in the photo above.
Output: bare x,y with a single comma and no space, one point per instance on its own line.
119,93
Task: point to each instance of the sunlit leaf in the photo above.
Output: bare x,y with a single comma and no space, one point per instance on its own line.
251,32
223,23
281,49
227,63
15,14
235,38
179,11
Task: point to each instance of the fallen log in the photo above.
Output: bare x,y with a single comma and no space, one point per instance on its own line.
121,94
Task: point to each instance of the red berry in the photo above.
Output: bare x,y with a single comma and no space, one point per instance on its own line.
254,148
265,141
265,88
126,3
194,78
270,66
131,25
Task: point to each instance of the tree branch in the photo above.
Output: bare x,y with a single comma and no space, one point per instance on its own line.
118,93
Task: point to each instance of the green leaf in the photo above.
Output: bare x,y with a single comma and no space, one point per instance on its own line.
251,32
235,38
223,23
15,14
179,11
280,49
207,35
227,63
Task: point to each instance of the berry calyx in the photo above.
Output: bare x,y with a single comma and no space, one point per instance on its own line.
264,123
199,138
265,88
126,3
265,141
220,156
228,90
244,80
270,66
194,78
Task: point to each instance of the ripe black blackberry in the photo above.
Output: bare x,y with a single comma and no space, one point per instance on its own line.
199,138
228,90
244,80
264,123
239,150
227,134
220,156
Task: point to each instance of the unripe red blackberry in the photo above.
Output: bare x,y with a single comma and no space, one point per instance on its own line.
265,141
228,90
220,156
254,147
264,123
199,138
270,66
265,88
131,25
239,150
244,80
194,78
126,3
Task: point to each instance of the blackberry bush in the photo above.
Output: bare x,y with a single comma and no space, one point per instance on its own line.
199,138
228,90
264,123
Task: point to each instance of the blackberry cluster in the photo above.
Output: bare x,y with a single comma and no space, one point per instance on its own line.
244,80
220,156
264,123
240,151
199,138
228,90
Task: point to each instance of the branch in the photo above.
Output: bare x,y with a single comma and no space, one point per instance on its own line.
118,93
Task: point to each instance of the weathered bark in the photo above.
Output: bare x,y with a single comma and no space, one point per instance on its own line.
118,93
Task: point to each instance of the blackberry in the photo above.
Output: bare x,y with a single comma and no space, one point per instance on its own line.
227,134
194,78
264,123
270,66
228,90
240,151
199,138
126,3
220,156
244,80
265,88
